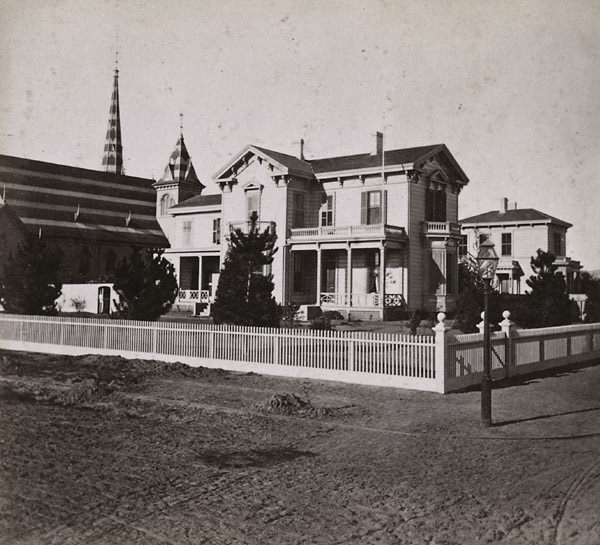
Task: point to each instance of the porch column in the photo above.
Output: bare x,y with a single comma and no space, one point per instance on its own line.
382,273
199,275
349,275
318,275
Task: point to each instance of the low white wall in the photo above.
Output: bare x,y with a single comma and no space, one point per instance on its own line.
87,294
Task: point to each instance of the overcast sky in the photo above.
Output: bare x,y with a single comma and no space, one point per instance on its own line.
512,88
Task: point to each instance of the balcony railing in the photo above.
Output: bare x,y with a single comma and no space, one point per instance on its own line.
441,228
193,296
378,230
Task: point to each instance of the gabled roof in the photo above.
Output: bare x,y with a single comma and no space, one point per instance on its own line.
514,216
77,203
199,200
314,168
368,160
285,164
293,164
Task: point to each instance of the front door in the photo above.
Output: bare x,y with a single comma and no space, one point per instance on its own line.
104,300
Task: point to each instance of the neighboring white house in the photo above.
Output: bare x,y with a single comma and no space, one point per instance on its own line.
360,234
517,233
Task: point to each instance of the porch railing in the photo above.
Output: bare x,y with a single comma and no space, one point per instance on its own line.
193,296
368,300
379,230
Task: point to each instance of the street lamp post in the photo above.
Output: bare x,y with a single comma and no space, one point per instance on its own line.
487,260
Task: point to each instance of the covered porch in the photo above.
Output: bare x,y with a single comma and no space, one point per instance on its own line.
198,278
360,280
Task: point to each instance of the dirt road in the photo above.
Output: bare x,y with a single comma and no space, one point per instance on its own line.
100,450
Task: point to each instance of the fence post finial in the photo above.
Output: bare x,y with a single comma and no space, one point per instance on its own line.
440,331
508,328
481,324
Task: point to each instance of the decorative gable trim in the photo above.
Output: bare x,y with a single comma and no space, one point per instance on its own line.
243,159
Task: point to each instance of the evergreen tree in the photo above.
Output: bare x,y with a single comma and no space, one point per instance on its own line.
244,294
30,280
548,304
590,285
470,300
146,285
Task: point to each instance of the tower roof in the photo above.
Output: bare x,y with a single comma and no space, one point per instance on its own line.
180,167
113,149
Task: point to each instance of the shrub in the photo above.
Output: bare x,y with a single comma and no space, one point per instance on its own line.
78,304
30,281
146,285
321,322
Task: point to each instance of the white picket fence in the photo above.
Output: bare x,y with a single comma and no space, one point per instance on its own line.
437,363
366,358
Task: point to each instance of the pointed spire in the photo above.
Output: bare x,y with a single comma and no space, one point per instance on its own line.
180,167
113,149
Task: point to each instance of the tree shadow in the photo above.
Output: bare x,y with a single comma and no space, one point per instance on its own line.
531,378
542,417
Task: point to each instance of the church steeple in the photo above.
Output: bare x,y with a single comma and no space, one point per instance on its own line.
113,149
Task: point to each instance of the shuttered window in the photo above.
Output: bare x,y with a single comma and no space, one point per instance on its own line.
373,207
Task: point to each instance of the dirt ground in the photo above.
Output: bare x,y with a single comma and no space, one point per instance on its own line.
102,450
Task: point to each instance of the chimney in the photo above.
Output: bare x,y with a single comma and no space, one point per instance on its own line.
302,148
515,205
378,143
503,204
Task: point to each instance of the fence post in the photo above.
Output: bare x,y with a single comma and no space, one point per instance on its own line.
508,327
350,354
275,337
211,343
441,352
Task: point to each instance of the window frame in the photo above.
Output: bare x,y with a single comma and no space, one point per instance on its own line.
216,238
326,219
186,232
506,247
253,193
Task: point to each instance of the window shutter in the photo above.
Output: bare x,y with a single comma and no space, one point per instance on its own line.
363,207
384,206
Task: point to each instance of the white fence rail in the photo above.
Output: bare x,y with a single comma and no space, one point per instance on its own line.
440,363
366,358
519,351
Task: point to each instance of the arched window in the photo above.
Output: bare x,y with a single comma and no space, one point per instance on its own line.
165,203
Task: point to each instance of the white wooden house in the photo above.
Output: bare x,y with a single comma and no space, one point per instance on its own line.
517,234
361,234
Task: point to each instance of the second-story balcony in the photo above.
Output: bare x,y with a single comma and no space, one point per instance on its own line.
377,231
444,229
